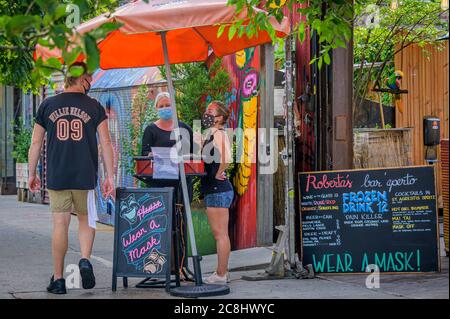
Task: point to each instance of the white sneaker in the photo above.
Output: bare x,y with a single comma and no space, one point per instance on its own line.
216,279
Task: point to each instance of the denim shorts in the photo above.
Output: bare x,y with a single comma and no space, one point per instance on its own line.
222,200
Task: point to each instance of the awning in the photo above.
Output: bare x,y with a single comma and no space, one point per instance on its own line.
119,78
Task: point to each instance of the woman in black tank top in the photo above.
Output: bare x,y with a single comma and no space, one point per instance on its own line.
216,187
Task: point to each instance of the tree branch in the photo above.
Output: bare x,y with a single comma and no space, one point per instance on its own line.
366,78
15,48
363,58
417,23
30,6
403,46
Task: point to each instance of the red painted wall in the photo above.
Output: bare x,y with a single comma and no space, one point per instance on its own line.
243,215
244,68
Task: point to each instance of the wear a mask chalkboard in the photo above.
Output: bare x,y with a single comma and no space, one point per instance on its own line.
355,221
143,233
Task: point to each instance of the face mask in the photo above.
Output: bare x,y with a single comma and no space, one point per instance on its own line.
165,113
208,120
86,90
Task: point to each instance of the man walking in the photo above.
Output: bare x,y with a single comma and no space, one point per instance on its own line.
72,121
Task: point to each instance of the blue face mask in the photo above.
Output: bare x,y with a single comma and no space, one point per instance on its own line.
165,113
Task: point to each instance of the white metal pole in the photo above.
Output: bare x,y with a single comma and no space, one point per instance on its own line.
186,202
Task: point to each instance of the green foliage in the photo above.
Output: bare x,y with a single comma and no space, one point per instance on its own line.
21,141
197,192
330,20
279,54
142,114
49,23
381,32
386,126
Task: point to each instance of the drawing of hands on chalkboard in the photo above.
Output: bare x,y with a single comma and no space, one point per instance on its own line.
154,263
129,208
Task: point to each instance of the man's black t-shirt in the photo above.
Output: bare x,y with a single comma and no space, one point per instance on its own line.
71,120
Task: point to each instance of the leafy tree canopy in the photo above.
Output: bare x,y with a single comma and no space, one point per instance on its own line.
50,23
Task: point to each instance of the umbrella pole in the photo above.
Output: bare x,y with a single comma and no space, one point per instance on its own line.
200,289
187,206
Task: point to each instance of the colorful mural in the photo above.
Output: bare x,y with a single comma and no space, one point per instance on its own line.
115,104
243,68
118,105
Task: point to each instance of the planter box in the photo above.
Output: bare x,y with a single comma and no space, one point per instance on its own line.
206,244
22,175
374,148
23,194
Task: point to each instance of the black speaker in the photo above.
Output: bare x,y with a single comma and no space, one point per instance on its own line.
431,131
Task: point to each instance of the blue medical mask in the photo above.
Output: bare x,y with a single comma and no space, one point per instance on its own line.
165,113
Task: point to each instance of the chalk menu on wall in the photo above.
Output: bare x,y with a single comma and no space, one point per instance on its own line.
143,233
356,218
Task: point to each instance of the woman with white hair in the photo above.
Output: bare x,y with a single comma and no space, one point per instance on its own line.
158,134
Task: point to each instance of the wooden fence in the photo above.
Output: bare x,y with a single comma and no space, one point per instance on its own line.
426,79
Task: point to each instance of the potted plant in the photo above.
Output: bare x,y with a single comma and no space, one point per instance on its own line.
21,143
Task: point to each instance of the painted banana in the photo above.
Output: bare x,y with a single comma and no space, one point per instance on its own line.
249,125
248,120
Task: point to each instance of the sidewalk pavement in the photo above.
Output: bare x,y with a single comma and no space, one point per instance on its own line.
26,266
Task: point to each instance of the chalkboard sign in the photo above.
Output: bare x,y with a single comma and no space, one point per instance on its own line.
356,218
143,233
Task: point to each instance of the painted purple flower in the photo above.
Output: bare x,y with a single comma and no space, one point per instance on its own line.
250,84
